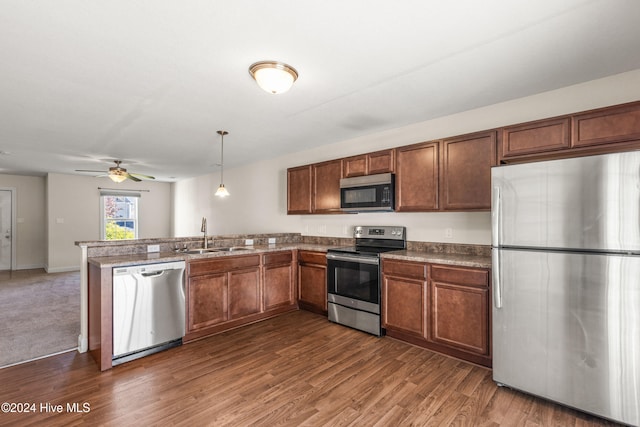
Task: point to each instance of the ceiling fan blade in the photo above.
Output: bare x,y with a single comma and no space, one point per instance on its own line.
142,176
92,171
133,178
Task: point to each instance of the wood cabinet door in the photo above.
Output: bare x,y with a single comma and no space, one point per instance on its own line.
207,300
381,162
354,166
278,286
404,305
417,177
326,186
312,286
607,125
465,178
244,292
299,190
535,137
460,308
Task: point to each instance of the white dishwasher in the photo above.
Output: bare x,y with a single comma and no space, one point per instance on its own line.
148,309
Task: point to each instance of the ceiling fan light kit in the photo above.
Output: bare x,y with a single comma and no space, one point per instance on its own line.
118,174
222,191
273,76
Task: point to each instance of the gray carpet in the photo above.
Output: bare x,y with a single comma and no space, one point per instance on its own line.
39,314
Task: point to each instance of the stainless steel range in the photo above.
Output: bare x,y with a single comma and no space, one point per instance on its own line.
353,277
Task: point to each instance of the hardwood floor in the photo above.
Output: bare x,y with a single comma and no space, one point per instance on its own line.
296,369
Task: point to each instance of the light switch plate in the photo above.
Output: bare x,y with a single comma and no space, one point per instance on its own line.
272,240
248,242
153,248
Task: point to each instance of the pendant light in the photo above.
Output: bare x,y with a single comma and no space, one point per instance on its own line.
222,191
273,76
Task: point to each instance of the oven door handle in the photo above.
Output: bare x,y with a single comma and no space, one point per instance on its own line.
353,258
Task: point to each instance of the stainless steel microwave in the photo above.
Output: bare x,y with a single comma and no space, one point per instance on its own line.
371,193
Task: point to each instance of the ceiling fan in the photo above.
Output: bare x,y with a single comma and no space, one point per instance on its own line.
118,174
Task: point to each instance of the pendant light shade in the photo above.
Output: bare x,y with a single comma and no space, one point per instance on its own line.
222,191
273,76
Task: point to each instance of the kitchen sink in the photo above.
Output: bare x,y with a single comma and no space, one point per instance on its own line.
209,250
201,251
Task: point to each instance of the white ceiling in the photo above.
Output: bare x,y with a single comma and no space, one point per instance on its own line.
150,82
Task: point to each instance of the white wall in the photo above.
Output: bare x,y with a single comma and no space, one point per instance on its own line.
73,214
258,191
30,215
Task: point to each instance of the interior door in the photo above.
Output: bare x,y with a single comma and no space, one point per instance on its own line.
5,229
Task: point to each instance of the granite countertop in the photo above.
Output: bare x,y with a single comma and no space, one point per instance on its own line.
464,260
157,257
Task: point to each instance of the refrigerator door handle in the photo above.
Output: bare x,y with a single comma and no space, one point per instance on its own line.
495,216
497,283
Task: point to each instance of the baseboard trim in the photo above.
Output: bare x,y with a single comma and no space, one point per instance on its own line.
30,267
61,269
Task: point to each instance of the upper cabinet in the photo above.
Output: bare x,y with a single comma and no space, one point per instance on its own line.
465,176
314,188
535,137
607,125
605,130
299,190
369,164
326,186
417,177
454,174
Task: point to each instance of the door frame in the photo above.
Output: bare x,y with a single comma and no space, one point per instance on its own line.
12,190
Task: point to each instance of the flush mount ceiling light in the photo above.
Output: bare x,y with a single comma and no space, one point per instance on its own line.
222,191
273,76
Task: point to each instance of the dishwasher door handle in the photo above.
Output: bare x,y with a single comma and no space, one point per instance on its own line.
154,273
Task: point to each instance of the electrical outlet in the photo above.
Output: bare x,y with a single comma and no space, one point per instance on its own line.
272,240
153,248
448,233
248,242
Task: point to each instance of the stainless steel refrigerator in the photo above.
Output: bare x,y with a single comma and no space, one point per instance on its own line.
566,289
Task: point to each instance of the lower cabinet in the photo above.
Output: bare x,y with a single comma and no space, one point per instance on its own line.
404,298
460,308
231,291
208,301
278,278
312,281
442,308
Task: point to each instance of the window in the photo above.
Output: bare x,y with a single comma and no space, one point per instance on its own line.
119,215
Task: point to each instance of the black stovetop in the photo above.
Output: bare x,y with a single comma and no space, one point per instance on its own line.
373,241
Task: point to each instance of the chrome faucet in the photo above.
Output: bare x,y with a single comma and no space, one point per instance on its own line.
203,228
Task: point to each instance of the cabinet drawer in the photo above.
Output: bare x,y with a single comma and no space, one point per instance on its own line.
459,275
312,257
414,270
221,264
277,258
